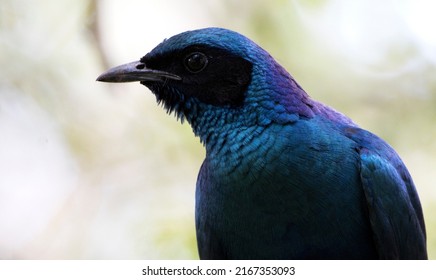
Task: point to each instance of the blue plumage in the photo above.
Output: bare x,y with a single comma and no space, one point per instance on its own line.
285,177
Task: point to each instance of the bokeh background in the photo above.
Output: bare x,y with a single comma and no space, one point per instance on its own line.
98,171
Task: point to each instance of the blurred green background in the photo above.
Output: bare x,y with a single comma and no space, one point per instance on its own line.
98,171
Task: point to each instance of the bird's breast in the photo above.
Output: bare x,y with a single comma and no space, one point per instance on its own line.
289,188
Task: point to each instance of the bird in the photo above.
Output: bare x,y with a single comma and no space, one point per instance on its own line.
284,176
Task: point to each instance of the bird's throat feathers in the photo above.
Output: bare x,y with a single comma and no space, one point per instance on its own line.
272,96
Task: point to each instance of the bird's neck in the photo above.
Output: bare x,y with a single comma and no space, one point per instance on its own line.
273,97
215,125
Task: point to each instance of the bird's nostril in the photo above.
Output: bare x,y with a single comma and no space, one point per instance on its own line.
140,66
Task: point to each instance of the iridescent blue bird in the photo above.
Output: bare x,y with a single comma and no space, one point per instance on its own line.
285,177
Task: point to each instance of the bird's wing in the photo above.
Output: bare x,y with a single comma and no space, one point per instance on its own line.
394,210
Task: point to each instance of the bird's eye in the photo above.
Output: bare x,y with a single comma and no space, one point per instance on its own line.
195,62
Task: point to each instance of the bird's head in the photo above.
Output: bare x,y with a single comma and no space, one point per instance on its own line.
215,77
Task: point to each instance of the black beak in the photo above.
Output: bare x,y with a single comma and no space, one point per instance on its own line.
135,72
